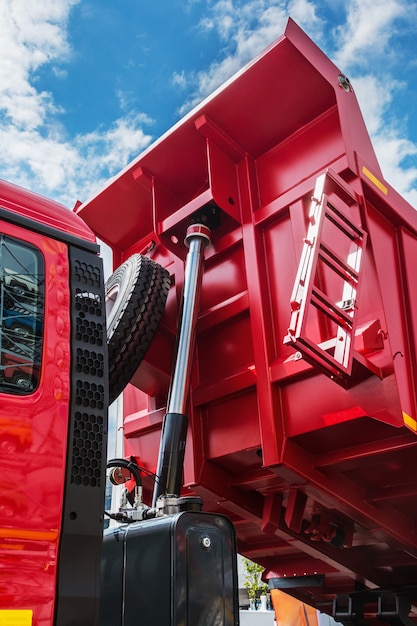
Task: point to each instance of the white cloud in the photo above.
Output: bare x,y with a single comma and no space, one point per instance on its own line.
245,28
36,151
366,47
32,33
369,26
69,170
394,151
179,79
374,99
114,146
304,13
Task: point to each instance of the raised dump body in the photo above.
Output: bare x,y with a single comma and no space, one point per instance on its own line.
302,412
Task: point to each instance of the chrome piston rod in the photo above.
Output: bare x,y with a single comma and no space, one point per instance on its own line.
174,429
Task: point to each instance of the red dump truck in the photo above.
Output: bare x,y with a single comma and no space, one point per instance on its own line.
279,387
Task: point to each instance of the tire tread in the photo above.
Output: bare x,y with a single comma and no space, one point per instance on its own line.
134,329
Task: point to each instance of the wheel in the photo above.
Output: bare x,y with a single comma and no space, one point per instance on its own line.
135,301
24,381
21,331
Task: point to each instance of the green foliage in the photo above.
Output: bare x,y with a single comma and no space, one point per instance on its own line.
253,583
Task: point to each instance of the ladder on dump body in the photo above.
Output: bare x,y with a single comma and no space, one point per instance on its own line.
334,353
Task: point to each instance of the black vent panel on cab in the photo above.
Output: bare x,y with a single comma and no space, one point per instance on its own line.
89,388
87,450
82,521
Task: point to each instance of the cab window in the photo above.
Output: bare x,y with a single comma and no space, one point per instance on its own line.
21,314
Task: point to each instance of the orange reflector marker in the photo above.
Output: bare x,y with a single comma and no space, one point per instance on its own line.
375,180
28,535
410,422
16,618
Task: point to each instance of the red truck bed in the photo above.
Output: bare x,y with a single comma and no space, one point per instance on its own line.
303,412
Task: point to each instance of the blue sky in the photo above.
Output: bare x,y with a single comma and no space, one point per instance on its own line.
86,85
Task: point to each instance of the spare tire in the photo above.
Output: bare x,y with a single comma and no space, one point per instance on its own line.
136,294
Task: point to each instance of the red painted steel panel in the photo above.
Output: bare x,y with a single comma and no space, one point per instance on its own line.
48,212
32,476
294,458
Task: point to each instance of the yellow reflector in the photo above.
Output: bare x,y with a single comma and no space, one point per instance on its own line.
410,422
16,618
374,180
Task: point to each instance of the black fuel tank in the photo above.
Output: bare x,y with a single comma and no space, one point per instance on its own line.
178,570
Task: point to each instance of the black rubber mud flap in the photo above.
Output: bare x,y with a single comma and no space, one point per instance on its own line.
135,301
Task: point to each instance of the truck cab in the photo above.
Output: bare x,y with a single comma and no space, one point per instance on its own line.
53,421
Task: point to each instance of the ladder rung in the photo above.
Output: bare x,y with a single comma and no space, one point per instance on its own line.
334,261
342,222
315,353
338,316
